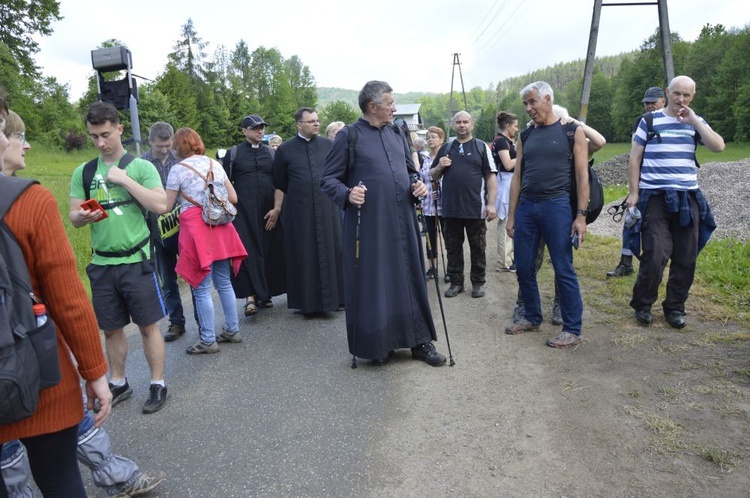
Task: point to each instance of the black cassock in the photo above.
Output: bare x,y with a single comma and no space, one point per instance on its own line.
312,227
392,307
262,272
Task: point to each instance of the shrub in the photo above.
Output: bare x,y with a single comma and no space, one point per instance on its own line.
74,140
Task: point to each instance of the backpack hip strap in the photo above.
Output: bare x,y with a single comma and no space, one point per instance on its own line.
126,252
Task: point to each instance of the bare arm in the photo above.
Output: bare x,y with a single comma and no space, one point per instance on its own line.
507,163
634,172
171,199
80,217
491,180
155,199
515,191
580,157
709,137
230,191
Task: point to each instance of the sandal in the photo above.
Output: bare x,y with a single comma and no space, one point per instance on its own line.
250,307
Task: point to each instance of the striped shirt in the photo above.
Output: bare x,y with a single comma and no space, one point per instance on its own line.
671,163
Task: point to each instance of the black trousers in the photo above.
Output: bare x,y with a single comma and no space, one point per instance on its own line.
476,231
663,240
430,224
52,458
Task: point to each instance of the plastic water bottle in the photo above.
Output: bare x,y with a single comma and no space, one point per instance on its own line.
632,215
40,312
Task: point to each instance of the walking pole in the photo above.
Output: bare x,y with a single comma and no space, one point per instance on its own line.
356,282
439,235
437,287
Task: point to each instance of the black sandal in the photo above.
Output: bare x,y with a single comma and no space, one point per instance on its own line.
250,307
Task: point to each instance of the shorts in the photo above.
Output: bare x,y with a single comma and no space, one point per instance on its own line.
122,292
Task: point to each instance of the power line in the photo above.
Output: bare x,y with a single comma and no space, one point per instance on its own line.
489,24
499,29
483,19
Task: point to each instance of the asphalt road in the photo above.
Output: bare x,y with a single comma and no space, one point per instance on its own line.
280,414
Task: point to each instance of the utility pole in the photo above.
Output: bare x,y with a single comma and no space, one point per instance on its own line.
451,111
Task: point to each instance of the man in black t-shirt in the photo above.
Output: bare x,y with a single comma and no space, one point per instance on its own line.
469,190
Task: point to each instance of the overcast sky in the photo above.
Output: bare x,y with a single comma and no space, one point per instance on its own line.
409,44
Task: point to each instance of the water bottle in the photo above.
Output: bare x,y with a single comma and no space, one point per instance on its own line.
632,215
40,312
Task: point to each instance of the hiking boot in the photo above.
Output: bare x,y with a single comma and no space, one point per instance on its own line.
624,268
226,336
518,311
201,347
120,393
675,319
523,325
564,340
174,332
454,290
643,316
477,291
431,273
556,313
157,396
142,485
428,354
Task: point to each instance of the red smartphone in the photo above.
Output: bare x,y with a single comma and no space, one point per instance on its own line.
93,205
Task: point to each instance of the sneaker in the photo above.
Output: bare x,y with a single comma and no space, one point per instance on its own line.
201,347
174,332
477,291
556,313
226,336
518,311
523,325
454,290
143,484
157,396
564,340
427,353
430,274
512,268
120,393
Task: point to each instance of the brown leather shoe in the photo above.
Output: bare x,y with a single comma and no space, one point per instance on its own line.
564,340
523,325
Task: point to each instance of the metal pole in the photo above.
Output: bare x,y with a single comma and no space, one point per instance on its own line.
448,126
588,71
666,40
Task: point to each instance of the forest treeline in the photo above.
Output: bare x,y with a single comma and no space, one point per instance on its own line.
212,93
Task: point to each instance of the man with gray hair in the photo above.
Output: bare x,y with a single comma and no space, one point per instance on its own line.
161,155
540,209
369,174
469,190
663,174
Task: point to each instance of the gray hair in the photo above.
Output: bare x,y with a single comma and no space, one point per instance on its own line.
560,111
373,92
160,131
542,88
335,126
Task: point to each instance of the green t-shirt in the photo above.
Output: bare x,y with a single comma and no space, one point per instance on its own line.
117,232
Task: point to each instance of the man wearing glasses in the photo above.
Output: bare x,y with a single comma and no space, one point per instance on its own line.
312,223
469,189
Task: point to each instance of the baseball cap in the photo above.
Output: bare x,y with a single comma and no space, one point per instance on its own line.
653,94
252,121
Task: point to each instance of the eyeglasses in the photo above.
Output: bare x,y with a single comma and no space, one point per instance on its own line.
310,121
392,105
460,149
20,136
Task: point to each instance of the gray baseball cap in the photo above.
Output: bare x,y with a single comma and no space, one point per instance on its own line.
253,121
653,94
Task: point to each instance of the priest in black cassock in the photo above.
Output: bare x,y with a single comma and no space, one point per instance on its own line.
312,224
388,308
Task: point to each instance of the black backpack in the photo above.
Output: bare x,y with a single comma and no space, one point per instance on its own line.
28,354
596,190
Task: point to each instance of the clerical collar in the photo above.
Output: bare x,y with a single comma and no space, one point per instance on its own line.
255,146
303,137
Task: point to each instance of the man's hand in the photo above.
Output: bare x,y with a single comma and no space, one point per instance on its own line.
490,212
509,226
579,227
117,176
98,390
445,162
418,189
686,115
357,195
271,218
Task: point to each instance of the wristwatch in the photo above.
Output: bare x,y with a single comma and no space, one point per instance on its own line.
583,212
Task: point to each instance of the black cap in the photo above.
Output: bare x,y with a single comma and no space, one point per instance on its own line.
253,121
653,94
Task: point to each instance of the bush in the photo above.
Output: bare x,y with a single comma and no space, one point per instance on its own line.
74,140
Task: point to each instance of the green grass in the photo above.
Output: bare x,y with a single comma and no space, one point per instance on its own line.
733,152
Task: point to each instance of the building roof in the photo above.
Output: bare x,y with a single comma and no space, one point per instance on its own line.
407,109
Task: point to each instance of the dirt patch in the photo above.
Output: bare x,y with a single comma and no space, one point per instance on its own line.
632,412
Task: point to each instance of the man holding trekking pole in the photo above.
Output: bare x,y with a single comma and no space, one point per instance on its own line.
369,174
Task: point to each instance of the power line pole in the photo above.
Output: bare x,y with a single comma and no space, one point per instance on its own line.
451,111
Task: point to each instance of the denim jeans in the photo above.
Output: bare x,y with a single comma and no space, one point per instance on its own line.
204,304
551,220
166,260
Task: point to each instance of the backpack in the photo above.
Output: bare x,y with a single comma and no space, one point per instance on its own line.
233,154
217,210
596,190
28,353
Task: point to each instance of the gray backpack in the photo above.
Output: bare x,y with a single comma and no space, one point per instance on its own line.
28,353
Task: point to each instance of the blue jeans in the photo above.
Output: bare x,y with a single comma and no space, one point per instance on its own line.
551,220
204,305
625,251
166,260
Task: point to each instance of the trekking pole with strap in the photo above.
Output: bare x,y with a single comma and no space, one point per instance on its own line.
439,235
437,285
356,281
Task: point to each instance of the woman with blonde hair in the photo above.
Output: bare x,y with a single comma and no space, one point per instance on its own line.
15,155
207,253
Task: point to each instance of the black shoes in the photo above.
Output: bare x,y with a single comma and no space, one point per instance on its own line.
428,354
644,316
454,290
675,319
157,396
174,332
431,273
477,291
120,393
624,268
